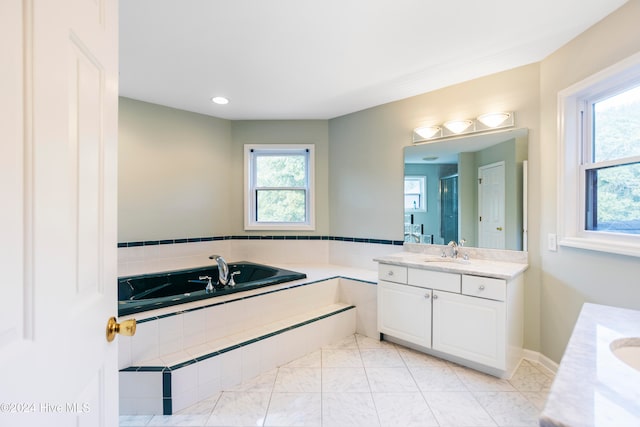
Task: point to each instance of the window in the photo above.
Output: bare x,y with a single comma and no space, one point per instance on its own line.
599,176
415,194
279,187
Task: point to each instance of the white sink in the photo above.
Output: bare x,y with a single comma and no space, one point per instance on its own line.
435,258
628,351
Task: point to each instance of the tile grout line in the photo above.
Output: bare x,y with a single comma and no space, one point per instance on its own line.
366,374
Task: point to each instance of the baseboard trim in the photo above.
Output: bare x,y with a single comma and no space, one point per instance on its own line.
536,356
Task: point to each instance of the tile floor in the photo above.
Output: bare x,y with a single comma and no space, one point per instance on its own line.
364,382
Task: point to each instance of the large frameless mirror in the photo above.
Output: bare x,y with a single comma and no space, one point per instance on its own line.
471,188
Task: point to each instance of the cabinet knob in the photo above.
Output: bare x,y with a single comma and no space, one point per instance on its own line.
435,296
481,287
427,296
390,273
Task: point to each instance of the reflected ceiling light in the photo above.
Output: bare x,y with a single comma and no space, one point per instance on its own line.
458,126
493,120
221,100
428,132
484,123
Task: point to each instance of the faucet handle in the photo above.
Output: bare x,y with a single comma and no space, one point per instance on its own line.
232,282
209,287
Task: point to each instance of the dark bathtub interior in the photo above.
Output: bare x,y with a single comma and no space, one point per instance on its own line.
151,291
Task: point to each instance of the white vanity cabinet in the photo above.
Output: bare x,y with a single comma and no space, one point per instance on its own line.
470,327
405,312
473,318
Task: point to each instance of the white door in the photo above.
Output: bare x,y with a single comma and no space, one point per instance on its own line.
491,206
470,328
405,312
58,181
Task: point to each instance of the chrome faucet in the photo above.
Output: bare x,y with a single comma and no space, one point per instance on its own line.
209,287
223,269
454,249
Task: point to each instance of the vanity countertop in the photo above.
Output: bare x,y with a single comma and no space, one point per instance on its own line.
592,386
499,269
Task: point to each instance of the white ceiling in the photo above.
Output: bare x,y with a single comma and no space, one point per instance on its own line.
305,59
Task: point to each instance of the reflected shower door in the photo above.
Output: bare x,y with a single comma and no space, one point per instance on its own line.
449,208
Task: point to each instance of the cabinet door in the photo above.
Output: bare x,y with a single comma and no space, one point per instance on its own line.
469,327
405,312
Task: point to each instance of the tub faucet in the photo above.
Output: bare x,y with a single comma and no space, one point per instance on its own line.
223,269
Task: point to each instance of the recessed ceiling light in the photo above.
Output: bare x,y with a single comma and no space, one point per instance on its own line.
221,100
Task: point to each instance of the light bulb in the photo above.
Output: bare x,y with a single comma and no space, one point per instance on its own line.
493,120
427,131
221,100
458,126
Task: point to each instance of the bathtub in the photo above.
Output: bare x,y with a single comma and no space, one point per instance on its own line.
157,290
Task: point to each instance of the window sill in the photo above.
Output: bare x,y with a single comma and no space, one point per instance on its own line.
280,227
601,245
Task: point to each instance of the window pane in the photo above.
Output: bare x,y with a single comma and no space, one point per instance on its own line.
613,199
281,171
412,185
280,206
616,126
412,201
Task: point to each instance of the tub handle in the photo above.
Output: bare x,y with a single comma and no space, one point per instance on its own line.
231,281
209,287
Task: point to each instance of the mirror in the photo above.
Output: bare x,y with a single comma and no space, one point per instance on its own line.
470,188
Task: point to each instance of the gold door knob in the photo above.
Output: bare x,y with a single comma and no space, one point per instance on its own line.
128,328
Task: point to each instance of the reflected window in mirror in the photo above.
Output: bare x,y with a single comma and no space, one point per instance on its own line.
415,197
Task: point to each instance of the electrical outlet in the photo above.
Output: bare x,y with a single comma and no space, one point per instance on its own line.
552,242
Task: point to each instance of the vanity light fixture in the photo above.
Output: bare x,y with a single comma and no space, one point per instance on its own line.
458,126
452,128
493,120
220,100
428,132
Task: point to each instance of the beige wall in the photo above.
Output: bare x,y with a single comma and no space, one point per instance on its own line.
573,276
366,159
173,173
280,132
181,173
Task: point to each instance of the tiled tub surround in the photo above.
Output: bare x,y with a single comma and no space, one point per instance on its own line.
175,360
151,291
154,258
592,387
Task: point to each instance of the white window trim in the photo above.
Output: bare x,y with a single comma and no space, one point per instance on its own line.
423,193
571,194
249,208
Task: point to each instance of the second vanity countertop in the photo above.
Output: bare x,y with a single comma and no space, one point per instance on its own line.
592,386
497,268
